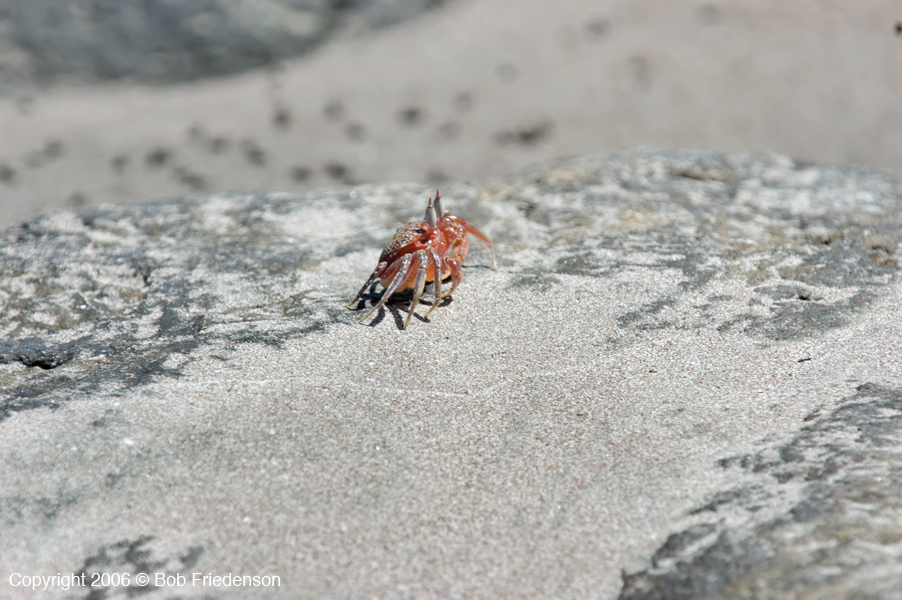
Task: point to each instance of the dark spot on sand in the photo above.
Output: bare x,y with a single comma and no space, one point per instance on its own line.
541,282
158,157
355,131
525,136
52,150
338,172
134,556
77,200
709,15
190,558
436,176
253,153
463,102
193,180
597,28
410,116
214,145
112,477
300,174
334,110
119,163
7,173
32,352
218,145
281,118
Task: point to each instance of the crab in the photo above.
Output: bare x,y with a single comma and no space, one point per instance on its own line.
423,251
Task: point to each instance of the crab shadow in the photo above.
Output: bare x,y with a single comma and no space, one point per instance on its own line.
398,306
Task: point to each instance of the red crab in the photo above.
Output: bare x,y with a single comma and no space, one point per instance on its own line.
423,251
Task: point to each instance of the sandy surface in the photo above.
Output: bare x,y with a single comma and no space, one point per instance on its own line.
475,89
465,462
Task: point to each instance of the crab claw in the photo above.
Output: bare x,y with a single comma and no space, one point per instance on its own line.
430,214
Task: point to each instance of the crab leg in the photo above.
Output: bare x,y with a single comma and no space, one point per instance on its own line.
456,275
373,277
479,235
453,267
437,282
393,286
420,283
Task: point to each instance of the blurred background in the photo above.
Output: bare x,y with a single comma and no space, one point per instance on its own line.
129,100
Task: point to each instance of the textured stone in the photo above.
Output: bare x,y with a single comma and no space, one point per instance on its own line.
838,537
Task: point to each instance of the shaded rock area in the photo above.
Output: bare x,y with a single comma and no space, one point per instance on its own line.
105,282
686,369
159,41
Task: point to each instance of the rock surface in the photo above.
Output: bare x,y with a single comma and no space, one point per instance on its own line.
683,381
158,41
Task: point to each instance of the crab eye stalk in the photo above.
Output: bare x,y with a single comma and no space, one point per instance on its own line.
438,205
430,214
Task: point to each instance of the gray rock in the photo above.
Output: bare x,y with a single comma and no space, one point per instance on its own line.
160,41
684,370
837,538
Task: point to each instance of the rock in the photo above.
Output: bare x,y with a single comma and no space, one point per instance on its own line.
835,537
684,380
160,41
